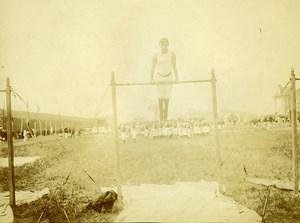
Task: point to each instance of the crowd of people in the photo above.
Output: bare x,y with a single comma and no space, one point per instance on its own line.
26,134
272,120
175,129
67,132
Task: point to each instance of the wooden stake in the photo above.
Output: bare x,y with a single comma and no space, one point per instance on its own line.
12,197
217,141
118,165
294,133
35,128
265,204
60,122
40,128
76,126
46,127
22,125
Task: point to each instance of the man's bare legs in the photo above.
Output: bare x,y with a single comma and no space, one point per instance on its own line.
166,102
163,109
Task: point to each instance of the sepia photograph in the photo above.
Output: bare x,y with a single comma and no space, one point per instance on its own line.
149,111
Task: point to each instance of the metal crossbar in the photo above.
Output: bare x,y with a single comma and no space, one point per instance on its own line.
163,83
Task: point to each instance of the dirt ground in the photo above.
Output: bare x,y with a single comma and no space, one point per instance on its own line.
182,202
263,153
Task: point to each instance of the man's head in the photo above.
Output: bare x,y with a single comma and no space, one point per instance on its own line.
164,43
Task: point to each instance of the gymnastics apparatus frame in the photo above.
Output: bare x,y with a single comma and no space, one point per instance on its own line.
114,85
213,81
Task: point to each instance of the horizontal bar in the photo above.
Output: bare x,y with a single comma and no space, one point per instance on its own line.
297,78
161,83
2,90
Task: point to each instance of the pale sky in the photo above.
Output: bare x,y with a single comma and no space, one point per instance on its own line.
60,54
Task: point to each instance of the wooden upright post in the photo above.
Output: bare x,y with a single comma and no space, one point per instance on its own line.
217,141
118,165
294,133
11,174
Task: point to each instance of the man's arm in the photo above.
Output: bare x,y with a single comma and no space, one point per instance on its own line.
174,66
154,60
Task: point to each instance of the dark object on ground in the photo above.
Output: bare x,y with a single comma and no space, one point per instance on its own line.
104,203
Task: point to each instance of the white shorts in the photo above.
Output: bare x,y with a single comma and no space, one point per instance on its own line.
164,90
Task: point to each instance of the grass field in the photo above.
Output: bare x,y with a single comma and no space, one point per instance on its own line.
264,153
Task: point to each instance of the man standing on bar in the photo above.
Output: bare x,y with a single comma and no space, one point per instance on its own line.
164,67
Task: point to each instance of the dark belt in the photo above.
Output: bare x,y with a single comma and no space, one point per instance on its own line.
166,75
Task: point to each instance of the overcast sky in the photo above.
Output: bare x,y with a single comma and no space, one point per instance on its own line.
60,54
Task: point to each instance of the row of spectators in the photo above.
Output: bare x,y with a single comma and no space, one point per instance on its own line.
271,120
63,132
175,129
27,134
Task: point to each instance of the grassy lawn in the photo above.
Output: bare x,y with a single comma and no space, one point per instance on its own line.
264,153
